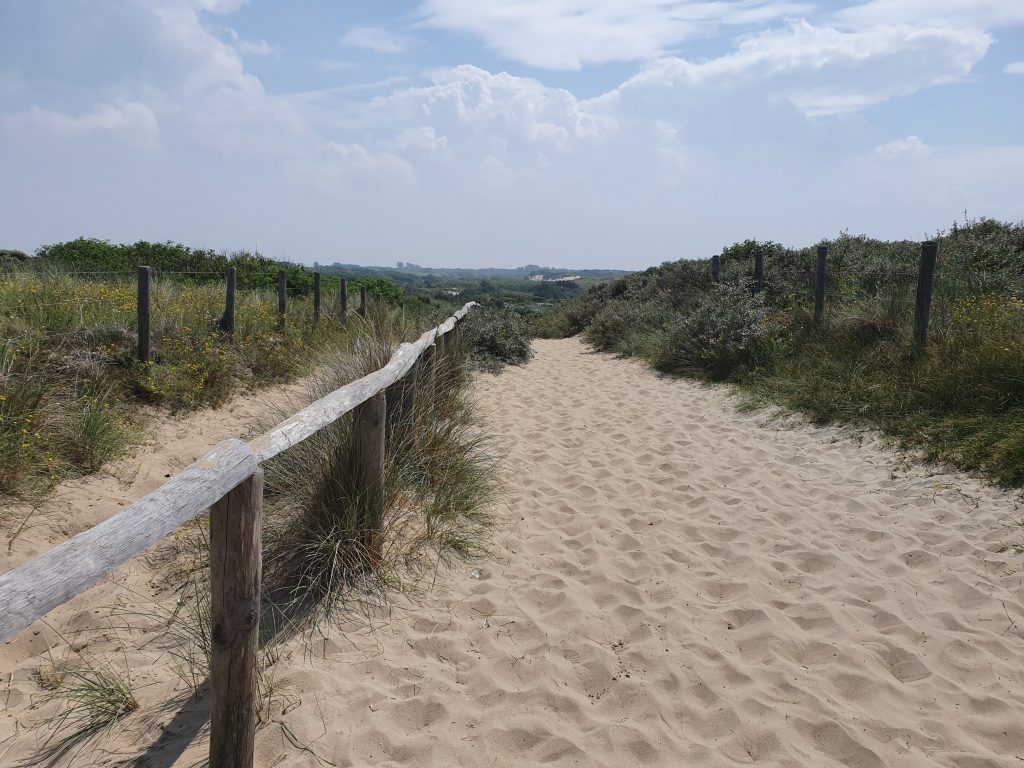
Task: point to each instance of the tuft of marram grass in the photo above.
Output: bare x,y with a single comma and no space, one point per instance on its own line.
92,698
330,546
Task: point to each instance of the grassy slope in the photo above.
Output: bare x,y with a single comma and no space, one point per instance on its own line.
70,386
962,401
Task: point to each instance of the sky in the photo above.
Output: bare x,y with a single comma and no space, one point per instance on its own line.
573,133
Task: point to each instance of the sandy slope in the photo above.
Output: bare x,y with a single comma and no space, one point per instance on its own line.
676,584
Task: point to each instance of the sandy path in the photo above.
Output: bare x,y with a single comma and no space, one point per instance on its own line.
674,584
678,584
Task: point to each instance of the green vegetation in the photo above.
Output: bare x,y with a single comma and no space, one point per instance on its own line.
328,545
70,384
962,401
528,289
497,337
325,533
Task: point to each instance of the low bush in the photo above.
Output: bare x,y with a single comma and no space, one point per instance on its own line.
496,337
551,323
719,338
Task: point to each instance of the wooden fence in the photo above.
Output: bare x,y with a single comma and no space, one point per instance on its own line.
226,323
923,300
229,480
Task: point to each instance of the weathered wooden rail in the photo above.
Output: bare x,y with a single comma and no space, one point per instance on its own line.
229,480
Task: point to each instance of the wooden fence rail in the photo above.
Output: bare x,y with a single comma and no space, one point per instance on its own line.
228,478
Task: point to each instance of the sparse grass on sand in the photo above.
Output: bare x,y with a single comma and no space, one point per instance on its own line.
91,696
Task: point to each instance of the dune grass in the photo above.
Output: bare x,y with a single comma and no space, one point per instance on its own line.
330,549
91,697
329,543
71,388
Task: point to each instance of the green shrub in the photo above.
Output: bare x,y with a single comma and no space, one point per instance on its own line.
620,324
719,338
552,323
496,337
328,541
378,287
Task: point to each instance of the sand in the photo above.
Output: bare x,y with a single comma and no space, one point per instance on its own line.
674,583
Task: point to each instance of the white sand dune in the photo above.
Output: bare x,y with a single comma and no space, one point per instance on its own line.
678,584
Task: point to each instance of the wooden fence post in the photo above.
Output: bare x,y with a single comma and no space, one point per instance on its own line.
143,314
343,297
400,398
428,372
925,283
316,297
362,301
758,271
820,278
407,401
235,565
368,427
716,266
282,296
227,322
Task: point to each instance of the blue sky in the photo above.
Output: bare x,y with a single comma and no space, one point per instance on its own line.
616,133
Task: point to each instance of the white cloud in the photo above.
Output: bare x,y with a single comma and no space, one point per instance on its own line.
823,70
911,146
249,47
375,39
126,121
1014,68
566,34
423,138
477,101
378,166
955,13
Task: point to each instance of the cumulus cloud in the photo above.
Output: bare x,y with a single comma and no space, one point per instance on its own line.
423,138
375,39
1014,68
566,34
477,102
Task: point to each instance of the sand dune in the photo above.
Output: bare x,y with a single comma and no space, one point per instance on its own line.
679,584
676,583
